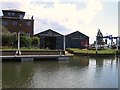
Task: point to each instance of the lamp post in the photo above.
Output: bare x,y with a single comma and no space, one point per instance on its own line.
18,52
64,43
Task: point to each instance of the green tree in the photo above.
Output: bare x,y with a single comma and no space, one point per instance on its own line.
5,36
35,42
25,41
29,41
6,40
14,39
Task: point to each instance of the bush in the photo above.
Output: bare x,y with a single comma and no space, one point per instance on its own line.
25,41
35,42
14,39
6,40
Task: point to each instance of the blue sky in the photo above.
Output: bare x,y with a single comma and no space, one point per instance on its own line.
66,16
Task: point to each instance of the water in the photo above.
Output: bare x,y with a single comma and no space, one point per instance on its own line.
78,72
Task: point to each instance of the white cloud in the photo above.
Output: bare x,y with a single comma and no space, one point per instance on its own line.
65,14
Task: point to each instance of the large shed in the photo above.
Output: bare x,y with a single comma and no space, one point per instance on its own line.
76,40
50,39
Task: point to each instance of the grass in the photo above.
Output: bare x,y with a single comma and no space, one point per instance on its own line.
23,49
85,51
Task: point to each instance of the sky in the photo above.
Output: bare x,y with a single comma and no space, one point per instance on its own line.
67,16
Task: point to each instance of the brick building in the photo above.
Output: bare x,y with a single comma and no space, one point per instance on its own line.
13,21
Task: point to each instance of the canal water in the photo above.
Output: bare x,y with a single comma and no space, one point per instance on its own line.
77,72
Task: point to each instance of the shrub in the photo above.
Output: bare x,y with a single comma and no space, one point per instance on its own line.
35,42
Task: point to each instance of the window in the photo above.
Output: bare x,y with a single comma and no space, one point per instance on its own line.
5,23
14,23
21,16
13,14
28,34
28,23
9,13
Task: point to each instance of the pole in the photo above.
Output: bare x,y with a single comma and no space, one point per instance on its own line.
96,45
64,42
18,41
117,43
18,52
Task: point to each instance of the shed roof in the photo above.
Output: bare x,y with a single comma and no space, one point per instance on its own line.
13,10
48,32
77,32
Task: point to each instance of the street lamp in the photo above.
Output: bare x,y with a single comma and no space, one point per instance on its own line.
64,43
18,52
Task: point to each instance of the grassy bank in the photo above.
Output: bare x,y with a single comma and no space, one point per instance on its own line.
85,51
23,49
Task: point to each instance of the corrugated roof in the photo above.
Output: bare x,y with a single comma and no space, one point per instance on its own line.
76,32
14,10
48,31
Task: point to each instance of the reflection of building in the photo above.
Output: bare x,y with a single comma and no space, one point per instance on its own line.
99,62
79,61
50,39
13,21
76,40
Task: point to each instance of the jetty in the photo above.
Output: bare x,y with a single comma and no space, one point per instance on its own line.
35,55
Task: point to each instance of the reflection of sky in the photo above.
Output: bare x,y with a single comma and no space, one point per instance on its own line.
66,16
74,73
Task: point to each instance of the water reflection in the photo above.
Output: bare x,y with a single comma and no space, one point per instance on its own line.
78,72
16,74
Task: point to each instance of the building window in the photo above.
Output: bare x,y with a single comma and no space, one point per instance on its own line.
5,23
28,23
9,13
21,16
28,34
13,14
14,23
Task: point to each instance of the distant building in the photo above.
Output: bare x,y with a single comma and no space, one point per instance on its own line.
100,38
76,40
50,39
13,21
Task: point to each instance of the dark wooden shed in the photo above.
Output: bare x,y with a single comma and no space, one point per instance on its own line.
76,40
50,39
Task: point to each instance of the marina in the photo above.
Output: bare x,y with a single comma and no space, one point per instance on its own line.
76,72
59,45
32,57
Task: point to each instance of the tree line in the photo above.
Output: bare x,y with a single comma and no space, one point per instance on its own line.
11,39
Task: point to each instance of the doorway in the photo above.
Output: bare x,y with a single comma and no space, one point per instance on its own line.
50,42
